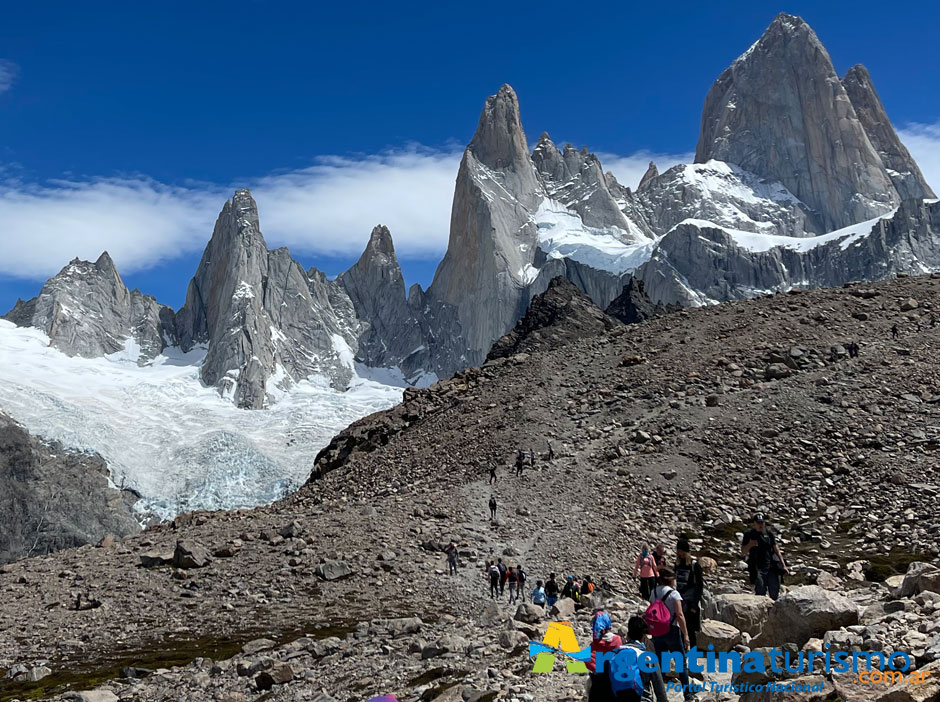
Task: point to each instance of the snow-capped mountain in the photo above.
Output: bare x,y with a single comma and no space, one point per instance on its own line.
799,179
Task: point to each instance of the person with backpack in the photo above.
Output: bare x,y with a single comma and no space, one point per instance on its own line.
690,582
666,622
551,590
451,552
492,507
492,571
765,563
503,574
520,462
538,594
623,685
492,474
570,588
587,586
512,577
648,571
660,555
603,640
522,577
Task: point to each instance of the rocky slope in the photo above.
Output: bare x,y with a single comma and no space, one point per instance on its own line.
53,498
685,423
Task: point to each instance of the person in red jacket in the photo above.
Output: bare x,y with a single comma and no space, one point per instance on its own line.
603,640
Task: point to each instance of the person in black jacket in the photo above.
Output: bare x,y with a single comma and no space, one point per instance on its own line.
765,563
691,585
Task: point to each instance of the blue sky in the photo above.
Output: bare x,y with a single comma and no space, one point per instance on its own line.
126,125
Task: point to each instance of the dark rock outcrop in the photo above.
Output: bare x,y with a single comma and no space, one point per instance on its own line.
53,498
556,317
633,305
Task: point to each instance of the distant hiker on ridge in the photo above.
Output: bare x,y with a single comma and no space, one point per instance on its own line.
647,570
895,332
551,452
492,474
451,552
492,507
520,462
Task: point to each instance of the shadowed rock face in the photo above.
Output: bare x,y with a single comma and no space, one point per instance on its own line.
53,498
262,316
780,111
395,335
86,310
633,305
904,173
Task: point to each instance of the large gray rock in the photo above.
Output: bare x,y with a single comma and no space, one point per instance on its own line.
743,612
780,111
804,613
920,577
266,321
722,636
53,498
86,310
902,169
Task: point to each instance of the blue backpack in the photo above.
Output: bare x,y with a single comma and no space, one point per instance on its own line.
625,673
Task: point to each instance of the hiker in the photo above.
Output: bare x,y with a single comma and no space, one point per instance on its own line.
512,577
492,507
895,332
551,590
532,458
538,594
569,589
503,574
852,348
666,622
933,321
551,452
522,577
603,640
587,586
648,571
660,555
765,563
492,474
493,571
520,462
637,631
451,552
690,582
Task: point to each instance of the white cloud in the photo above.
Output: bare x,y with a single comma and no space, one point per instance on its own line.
328,208
923,141
8,73
629,169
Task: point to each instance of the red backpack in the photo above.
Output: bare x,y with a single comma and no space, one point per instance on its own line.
658,617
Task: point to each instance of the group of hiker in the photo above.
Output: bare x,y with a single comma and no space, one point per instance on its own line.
500,575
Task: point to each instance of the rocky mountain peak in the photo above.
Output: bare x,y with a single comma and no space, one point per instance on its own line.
651,172
634,305
499,141
780,112
902,168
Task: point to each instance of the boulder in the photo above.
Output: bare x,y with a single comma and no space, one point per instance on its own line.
529,613
189,554
154,558
277,674
744,612
449,643
563,609
920,577
722,636
92,696
509,639
925,691
333,570
804,613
